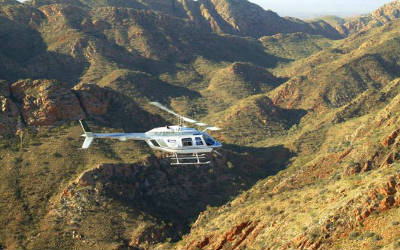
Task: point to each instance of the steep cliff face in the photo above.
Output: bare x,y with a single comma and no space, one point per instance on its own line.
44,102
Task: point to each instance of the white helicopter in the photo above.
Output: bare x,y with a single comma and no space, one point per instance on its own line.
187,145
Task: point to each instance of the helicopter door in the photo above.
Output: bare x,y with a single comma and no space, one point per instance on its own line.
187,142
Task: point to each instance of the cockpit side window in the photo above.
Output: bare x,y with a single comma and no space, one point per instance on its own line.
199,141
155,143
187,142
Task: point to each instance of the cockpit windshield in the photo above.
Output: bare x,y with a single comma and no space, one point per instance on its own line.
208,139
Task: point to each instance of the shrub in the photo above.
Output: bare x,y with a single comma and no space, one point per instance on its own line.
354,235
57,155
314,235
369,234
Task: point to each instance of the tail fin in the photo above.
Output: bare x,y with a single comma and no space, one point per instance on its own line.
87,134
85,127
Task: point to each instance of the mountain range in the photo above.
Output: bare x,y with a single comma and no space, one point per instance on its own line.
309,111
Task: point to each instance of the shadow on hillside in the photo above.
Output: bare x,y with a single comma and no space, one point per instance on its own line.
177,195
139,85
219,50
191,44
24,54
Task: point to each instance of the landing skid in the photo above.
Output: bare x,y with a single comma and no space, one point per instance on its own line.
188,159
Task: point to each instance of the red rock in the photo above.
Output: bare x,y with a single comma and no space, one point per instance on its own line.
43,102
344,154
391,138
387,190
352,169
386,203
95,100
364,215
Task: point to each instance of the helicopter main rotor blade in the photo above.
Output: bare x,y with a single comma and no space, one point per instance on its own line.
159,105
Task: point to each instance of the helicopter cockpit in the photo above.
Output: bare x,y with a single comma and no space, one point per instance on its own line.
209,140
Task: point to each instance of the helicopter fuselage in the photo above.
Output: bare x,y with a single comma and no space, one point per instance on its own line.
181,140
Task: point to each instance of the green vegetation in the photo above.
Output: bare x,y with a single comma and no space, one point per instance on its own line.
296,45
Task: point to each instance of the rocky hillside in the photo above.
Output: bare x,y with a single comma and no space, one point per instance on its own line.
340,191
238,17
385,14
309,110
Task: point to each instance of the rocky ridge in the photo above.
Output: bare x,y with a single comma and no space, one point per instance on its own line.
221,16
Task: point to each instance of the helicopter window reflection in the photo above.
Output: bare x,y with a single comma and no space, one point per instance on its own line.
162,143
154,142
187,142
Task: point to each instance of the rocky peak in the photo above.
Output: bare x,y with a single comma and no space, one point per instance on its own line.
389,11
384,14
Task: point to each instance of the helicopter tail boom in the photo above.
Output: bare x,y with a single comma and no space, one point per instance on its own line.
90,136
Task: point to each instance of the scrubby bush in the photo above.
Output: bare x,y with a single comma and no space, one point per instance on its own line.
354,235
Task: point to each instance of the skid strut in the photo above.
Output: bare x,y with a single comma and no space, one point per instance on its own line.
191,159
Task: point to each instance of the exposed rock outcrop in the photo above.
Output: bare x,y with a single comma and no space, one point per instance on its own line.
9,113
379,17
94,99
43,102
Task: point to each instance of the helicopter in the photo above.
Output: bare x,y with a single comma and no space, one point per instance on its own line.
186,146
